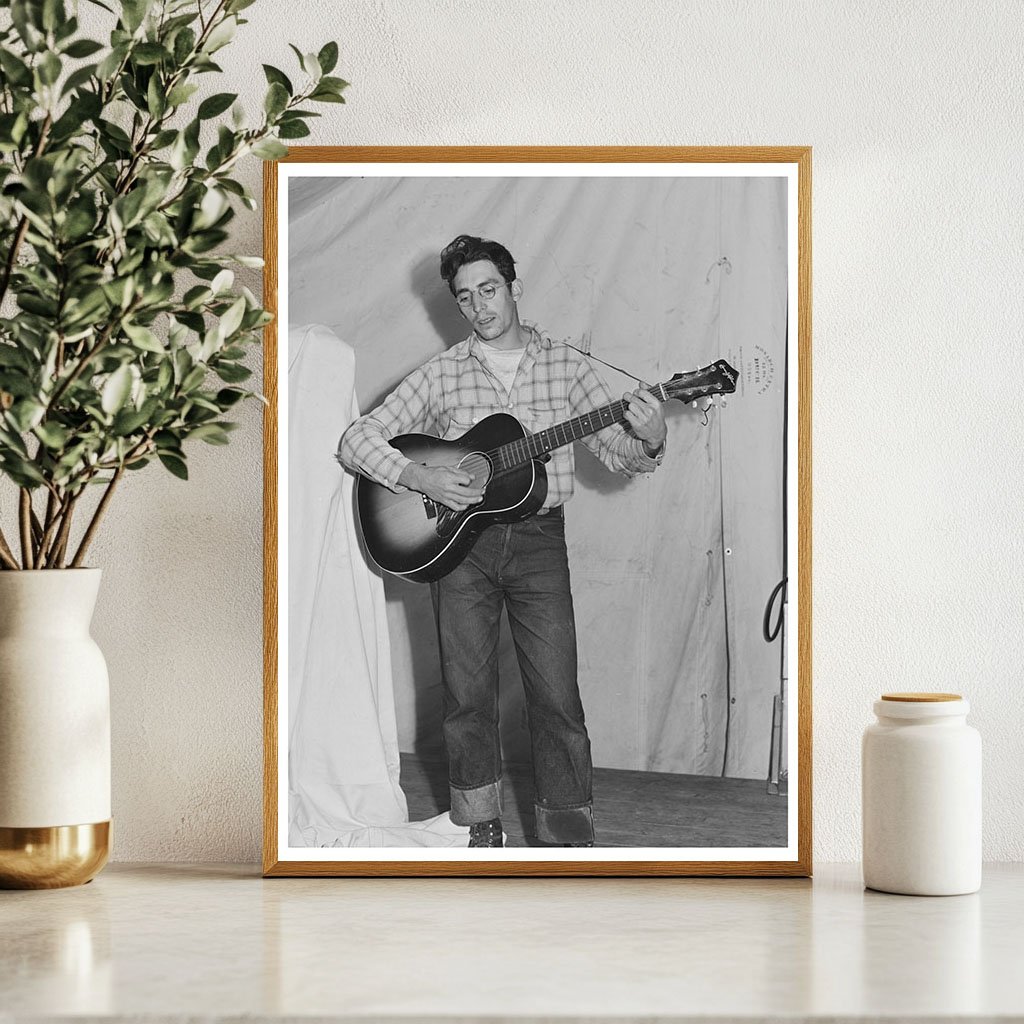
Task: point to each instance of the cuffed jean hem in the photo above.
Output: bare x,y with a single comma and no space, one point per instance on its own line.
481,803
565,824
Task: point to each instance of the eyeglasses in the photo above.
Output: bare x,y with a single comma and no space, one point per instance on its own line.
485,291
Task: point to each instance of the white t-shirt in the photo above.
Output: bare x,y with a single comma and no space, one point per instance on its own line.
503,363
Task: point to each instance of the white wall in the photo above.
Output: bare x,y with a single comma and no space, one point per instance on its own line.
914,113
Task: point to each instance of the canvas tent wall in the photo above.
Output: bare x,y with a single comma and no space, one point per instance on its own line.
670,571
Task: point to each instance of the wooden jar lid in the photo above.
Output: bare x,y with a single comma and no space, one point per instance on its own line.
920,698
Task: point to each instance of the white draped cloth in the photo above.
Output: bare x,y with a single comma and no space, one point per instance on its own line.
343,758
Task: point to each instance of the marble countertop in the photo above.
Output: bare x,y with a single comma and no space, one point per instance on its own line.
177,941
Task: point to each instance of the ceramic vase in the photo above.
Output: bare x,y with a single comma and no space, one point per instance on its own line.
54,731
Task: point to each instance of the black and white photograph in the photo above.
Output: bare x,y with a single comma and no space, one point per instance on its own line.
535,506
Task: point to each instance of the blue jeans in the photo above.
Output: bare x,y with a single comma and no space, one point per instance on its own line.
524,567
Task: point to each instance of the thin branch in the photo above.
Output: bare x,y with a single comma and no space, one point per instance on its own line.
37,529
12,255
19,234
60,545
94,523
51,509
6,554
25,521
52,524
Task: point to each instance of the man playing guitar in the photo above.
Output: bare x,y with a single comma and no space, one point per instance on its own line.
506,365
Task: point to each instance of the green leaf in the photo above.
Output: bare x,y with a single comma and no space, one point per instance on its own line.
274,76
116,134
293,130
116,390
211,433
232,319
87,310
162,139
181,94
133,13
212,106
144,338
28,25
184,44
11,443
175,464
164,375
149,53
129,207
10,355
14,68
26,414
255,262
232,373
193,321
222,282
128,421
53,435
53,14
335,84
78,78
109,65
65,30
276,100
269,149
83,48
227,397
21,471
193,379
328,58
49,68
311,66
327,96
156,100
35,304
234,6
78,222
221,35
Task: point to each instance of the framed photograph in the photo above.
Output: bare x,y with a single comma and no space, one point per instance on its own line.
538,511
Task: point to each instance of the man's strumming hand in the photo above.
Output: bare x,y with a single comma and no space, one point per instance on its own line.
446,485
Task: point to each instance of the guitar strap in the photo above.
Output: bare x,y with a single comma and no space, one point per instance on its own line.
611,366
643,383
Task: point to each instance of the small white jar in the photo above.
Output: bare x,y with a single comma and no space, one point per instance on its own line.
921,793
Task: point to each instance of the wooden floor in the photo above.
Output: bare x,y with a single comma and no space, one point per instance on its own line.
630,808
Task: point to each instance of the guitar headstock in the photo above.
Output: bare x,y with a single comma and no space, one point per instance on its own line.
717,378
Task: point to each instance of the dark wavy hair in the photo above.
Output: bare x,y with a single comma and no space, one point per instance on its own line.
469,249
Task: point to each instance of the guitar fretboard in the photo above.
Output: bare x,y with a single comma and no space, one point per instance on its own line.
515,453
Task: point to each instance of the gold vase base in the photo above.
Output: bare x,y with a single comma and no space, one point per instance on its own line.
54,857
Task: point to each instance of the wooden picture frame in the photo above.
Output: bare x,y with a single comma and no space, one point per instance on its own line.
767,368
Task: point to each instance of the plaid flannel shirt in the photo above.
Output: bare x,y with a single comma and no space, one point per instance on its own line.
454,390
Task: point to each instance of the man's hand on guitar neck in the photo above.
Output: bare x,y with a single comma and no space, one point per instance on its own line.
647,418
446,485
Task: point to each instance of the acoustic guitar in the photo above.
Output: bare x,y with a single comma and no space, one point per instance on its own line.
411,536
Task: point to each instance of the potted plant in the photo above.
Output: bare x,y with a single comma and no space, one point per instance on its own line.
122,339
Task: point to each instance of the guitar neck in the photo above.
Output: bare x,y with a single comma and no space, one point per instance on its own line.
534,445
